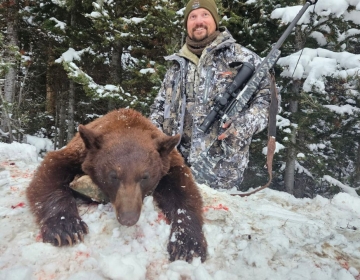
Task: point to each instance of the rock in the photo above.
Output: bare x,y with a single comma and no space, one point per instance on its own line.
85,186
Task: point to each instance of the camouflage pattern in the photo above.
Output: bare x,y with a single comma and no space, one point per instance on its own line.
253,84
186,97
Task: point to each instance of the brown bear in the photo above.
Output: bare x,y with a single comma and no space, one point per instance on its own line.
128,158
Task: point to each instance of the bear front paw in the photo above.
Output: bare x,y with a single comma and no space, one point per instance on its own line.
185,245
63,229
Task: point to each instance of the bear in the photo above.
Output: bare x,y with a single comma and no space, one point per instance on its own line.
128,158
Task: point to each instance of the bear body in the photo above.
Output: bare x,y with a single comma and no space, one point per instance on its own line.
127,157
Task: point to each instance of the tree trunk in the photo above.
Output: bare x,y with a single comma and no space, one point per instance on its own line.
71,96
11,74
50,93
5,120
357,168
289,179
71,112
62,121
115,68
56,130
302,181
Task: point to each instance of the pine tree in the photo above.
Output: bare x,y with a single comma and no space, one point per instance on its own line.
314,125
256,27
130,48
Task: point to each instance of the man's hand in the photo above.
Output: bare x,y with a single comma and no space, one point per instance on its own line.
230,129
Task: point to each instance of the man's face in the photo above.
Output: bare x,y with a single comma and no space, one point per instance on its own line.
200,24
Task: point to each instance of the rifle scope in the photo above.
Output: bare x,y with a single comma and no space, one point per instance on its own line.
222,101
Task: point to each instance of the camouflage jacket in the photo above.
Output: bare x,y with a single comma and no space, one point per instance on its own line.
186,97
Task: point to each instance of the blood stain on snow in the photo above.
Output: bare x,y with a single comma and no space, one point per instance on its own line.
39,238
161,217
14,189
46,276
21,204
216,207
81,256
27,175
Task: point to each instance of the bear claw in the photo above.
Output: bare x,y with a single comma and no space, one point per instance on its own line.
69,240
81,235
64,233
180,251
58,239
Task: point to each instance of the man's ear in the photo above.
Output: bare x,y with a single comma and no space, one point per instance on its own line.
90,138
165,144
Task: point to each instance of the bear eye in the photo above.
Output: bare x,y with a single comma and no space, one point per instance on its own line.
145,176
113,176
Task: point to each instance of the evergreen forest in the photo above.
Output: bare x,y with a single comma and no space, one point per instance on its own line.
67,62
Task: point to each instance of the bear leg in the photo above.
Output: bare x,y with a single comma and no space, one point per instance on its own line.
180,200
51,199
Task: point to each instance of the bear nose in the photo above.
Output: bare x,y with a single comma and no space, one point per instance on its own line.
128,218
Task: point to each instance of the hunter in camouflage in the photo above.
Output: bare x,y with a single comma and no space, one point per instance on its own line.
187,95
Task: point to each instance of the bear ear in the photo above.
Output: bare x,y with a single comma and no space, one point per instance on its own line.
90,138
167,143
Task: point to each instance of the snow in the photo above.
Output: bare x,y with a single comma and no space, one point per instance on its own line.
344,187
341,110
314,65
61,3
60,24
133,20
335,8
269,235
147,70
96,15
41,144
69,56
18,151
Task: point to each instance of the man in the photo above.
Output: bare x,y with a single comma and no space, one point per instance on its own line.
200,72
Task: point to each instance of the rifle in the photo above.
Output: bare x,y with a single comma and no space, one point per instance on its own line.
248,80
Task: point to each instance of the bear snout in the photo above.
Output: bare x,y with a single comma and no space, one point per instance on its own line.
128,218
128,204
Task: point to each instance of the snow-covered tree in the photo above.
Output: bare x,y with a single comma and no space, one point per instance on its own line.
322,82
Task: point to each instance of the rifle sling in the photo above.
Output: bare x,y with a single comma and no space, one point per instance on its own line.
271,145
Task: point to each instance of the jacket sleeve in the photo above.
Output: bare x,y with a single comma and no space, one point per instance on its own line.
160,110
157,108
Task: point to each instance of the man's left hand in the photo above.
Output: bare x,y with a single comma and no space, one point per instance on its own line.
230,129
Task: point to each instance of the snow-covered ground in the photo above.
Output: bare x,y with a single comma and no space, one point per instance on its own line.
269,235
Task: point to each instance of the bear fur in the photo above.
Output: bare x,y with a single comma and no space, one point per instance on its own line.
128,158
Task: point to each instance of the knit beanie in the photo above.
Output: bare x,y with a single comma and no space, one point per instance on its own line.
209,5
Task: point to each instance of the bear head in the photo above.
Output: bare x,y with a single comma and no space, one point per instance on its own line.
127,166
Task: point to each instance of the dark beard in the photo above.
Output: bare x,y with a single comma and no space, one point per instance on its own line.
197,46
199,40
